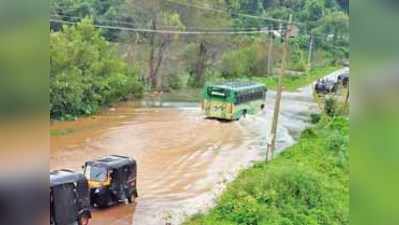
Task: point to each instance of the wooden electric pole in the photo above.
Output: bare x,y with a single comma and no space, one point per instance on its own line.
273,134
269,55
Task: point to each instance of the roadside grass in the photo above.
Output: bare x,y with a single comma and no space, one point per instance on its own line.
339,99
306,184
292,83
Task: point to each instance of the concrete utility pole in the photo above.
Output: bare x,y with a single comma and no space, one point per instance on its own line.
273,136
310,52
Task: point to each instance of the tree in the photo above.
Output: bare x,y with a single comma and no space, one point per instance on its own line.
344,4
103,12
161,41
333,34
202,50
314,10
85,72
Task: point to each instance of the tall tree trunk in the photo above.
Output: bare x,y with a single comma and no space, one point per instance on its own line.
130,54
160,57
201,64
151,72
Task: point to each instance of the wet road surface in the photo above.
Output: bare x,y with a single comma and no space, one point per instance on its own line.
184,160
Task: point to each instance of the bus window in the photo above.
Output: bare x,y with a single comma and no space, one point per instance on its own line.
217,93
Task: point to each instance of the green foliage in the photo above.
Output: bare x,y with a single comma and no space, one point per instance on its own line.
298,50
101,11
231,56
336,25
315,118
85,72
337,142
327,19
238,63
283,195
176,81
248,60
291,83
308,133
307,184
313,10
330,106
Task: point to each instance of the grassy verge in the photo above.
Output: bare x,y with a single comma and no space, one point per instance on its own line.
291,83
307,184
335,103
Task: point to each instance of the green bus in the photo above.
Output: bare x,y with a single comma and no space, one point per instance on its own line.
233,100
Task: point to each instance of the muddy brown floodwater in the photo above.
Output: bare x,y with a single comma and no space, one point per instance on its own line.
184,160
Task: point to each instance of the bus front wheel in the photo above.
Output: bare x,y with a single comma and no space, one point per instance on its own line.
244,113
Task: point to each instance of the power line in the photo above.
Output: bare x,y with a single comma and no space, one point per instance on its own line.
162,27
191,30
67,11
144,30
213,10
224,12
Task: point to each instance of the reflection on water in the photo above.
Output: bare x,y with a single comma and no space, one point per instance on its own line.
183,159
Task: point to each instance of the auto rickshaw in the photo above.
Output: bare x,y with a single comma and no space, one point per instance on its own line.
69,198
112,179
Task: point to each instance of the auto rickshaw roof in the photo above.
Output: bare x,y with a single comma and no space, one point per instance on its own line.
112,161
60,177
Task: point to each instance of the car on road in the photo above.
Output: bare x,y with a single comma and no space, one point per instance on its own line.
69,198
326,86
112,179
343,79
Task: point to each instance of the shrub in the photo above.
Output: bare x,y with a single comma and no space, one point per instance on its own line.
330,106
175,81
315,118
245,61
85,72
336,142
238,63
308,133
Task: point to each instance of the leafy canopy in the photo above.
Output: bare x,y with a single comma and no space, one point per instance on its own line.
85,72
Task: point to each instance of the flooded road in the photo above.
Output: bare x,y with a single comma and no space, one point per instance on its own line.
184,160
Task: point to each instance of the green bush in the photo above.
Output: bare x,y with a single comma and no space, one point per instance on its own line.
292,83
246,61
177,81
86,73
315,118
308,133
238,63
336,142
330,106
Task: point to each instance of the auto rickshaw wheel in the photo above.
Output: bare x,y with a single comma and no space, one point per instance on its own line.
84,220
130,198
244,113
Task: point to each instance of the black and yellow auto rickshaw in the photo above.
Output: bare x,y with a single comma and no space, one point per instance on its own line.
112,179
69,198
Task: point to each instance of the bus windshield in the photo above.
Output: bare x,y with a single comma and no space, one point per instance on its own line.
217,92
96,173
